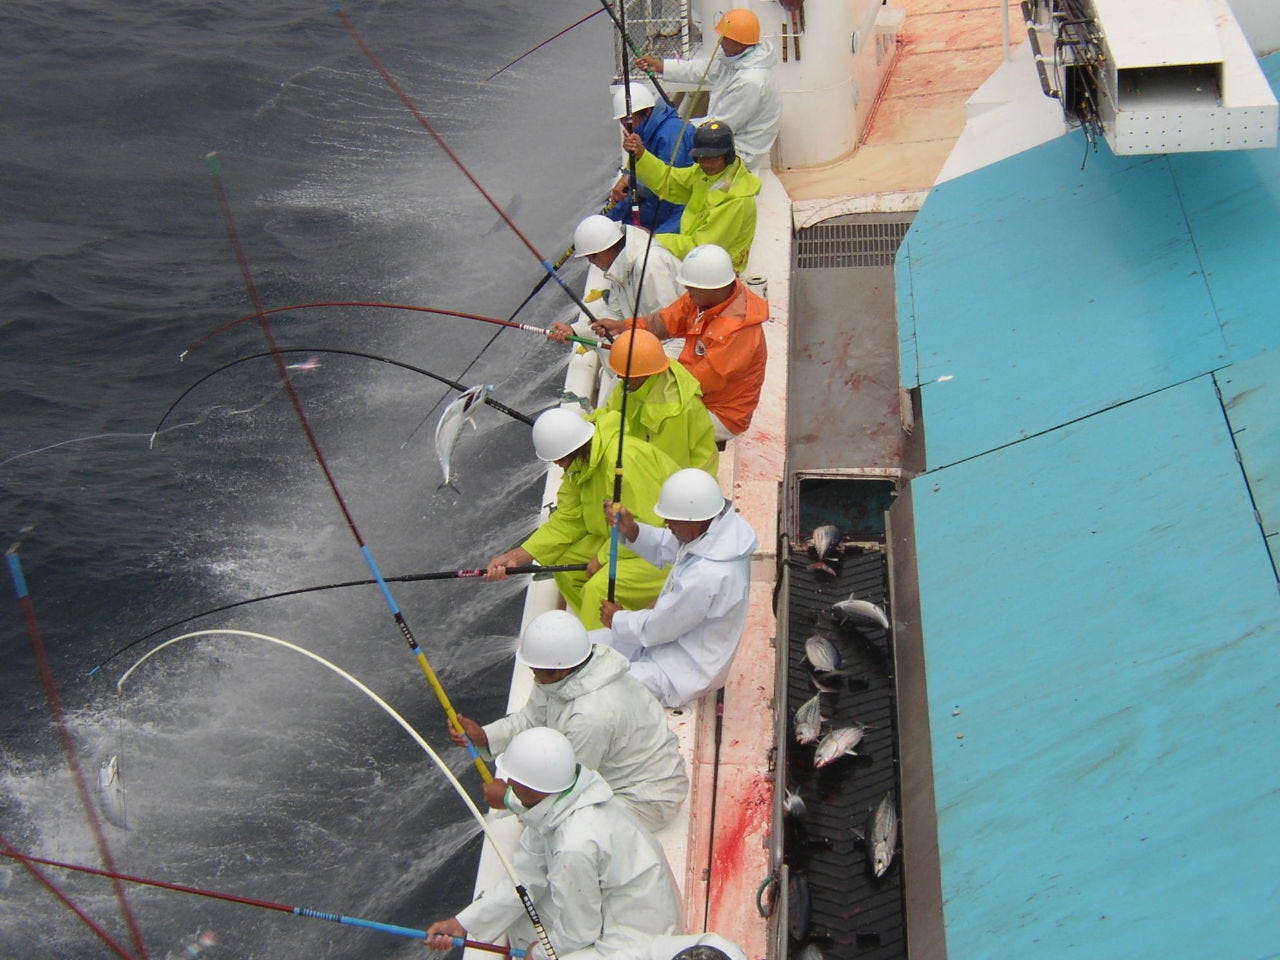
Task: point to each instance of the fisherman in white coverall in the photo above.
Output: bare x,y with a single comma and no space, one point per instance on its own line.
691,946
614,724
683,646
598,879
744,89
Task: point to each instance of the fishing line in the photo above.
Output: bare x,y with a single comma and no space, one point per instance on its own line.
465,574
224,205
426,125
386,708
8,850
64,735
496,404
541,45
527,327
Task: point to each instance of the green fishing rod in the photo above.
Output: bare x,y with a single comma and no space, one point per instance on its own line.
465,574
27,860
621,24
440,141
224,204
315,305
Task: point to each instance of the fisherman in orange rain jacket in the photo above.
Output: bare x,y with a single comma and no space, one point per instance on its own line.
724,346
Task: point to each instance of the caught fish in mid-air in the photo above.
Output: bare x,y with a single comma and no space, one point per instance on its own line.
809,719
825,546
861,611
460,411
838,743
882,835
312,364
111,793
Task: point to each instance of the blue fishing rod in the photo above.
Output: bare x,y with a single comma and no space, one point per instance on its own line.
224,204
6,849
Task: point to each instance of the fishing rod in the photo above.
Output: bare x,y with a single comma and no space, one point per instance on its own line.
68,743
466,574
497,405
633,187
626,39
527,327
426,125
521,892
576,23
29,861
224,204
9,850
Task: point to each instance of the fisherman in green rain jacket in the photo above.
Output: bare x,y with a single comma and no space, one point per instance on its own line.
664,402
586,448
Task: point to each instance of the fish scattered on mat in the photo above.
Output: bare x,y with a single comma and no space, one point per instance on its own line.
861,611
111,793
825,546
460,411
838,743
822,654
809,719
882,835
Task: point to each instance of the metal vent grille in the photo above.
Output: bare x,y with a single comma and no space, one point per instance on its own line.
860,242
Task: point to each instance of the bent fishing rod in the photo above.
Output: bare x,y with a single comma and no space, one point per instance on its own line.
521,892
440,141
28,861
626,39
251,288
464,574
554,36
526,327
496,404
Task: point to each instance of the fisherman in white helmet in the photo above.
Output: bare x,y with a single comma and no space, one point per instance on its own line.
598,880
683,647
744,85
586,449
669,138
635,272
615,725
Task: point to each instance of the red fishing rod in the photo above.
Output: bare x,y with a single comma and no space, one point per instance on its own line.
426,125
402,624
527,327
68,744
307,912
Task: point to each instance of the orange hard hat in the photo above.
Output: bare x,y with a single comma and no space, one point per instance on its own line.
741,25
649,357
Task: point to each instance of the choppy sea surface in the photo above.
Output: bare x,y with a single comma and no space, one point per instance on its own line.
250,770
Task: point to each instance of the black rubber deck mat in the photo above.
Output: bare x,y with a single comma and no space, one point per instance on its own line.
851,914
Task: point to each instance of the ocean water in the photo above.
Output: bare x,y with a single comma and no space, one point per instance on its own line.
251,770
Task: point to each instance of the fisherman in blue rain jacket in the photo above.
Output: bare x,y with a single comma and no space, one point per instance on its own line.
666,136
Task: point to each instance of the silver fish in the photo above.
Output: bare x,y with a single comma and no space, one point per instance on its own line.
793,804
111,793
882,835
809,720
838,743
811,952
822,653
825,546
862,611
460,411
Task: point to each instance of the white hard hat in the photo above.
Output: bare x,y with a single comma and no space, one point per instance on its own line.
594,234
689,494
541,759
707,267
554,640
558,432
641,99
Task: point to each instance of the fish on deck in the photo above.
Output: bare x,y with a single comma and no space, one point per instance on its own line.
860,612
111,793
809,720
460,411
837,744
825,546
882,835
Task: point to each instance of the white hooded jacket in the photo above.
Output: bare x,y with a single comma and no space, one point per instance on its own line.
616,728
623,276
744,94
683,646
598,879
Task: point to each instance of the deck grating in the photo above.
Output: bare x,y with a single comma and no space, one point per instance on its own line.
851,915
